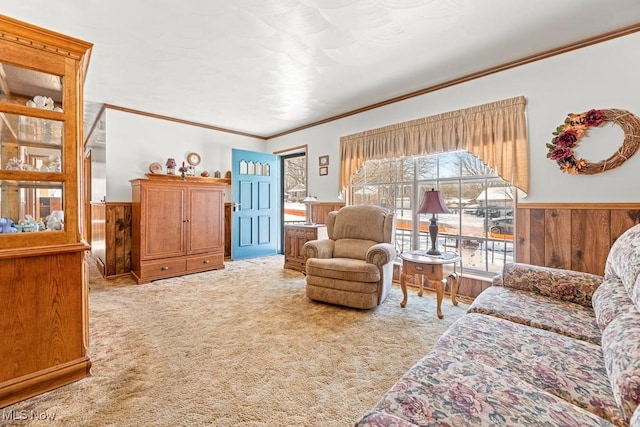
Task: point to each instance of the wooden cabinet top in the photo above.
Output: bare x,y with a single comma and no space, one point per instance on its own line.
177,180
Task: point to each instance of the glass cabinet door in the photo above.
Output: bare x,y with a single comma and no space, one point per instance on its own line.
30,206
32,129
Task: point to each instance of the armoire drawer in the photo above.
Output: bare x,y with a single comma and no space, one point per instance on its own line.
205,262
161,268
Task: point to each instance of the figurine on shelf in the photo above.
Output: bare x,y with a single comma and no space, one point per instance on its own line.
183,170
14,164
171,166
205,174
43,102
55,164
7,226
28,224
55,221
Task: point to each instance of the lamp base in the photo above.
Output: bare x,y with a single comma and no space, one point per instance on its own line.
433,233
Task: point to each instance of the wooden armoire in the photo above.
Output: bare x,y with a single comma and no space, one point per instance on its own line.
177,227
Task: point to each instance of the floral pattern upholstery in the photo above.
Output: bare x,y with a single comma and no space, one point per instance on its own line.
538,311
541,347
621,347
563,285
609,300
444,389
623,260
570,369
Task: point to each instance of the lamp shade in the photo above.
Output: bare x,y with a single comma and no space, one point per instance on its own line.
432,203
310,199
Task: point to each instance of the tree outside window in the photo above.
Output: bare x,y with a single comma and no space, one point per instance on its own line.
480,225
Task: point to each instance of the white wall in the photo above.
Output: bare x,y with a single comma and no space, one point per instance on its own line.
599,76
605,75
134,141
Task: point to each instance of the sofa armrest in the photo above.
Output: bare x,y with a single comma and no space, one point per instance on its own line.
566,285
381,254
318,249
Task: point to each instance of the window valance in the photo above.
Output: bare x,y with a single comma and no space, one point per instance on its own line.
496,133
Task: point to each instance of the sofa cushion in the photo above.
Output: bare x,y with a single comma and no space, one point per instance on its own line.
352,248
565,285
623,260
528,308
621,349
609,300
446,389
345,269
570,369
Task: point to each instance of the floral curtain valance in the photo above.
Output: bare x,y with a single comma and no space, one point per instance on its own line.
496,133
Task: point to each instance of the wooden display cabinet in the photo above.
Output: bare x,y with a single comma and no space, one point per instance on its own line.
177,228
295,236
44,326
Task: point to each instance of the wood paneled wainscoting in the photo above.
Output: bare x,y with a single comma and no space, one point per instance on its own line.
571,236
111,233
320,210
111,237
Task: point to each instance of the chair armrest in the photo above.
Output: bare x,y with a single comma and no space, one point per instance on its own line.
318,249
566,285
381,254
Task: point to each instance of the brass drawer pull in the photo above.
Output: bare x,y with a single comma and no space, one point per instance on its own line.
164,268
418,268
206,261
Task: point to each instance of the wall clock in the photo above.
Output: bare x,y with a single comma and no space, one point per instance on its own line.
193,159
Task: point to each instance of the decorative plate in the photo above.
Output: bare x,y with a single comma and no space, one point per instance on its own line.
193,159
155,168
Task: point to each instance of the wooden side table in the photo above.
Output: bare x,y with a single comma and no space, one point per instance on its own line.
418,263
295,236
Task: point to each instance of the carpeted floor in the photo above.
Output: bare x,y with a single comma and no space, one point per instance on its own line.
241,346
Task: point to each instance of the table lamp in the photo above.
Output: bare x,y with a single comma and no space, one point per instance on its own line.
308,201
433,204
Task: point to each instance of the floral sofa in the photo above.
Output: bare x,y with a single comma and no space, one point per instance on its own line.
542,346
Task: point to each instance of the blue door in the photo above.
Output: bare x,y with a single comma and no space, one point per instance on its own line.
254,204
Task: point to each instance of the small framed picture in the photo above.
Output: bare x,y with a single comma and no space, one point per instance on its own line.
323,161
324,170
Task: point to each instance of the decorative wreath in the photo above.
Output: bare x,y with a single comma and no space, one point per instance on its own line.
575,126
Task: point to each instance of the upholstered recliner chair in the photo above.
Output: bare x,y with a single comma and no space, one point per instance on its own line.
354,266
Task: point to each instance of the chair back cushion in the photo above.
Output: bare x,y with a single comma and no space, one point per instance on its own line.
364,222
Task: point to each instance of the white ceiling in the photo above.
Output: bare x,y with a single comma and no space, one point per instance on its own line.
267,66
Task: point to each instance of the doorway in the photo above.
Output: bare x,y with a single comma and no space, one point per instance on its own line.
293,164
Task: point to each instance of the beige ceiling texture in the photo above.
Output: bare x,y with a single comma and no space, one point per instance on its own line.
265,67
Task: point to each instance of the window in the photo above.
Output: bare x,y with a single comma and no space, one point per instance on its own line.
294,187
480,225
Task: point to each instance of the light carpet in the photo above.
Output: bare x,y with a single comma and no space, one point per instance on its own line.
241,346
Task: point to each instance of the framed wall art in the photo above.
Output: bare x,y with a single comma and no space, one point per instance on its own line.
324,170
323,161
